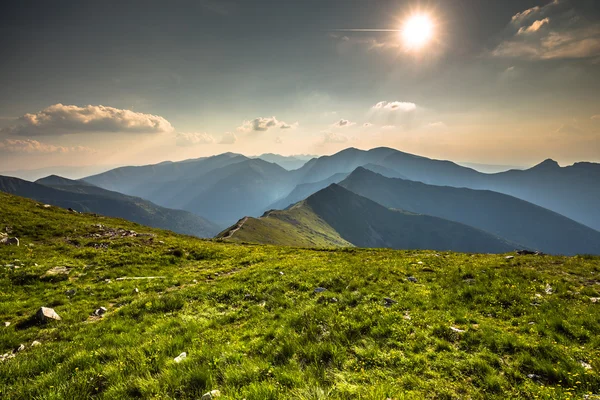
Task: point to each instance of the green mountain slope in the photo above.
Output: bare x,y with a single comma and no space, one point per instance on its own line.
502,215
252,326
84,197
363,223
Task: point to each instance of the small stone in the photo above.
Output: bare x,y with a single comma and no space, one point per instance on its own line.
71,292
531,323
509,257
195,281
107,280
57,271
586,365
595,299
211,395
100,311
533,376
280,272
47,206
454,329
35,343
549,289
412,279
389,302
136,291
407,316
9,241
44,314
6,324
180,357
20,348
420,263
320,290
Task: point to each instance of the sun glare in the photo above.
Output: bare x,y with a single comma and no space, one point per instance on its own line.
417,31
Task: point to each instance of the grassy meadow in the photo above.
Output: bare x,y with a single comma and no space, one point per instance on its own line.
471,327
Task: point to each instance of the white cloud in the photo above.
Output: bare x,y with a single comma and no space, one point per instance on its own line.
570,129
33,146
554,31
343,123
387,127
62,119
192,139
228,138
437,125
395,106
262,124
334,137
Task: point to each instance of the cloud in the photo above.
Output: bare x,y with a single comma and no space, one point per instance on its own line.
370,43
192,139
30,146
387,127
61,119
554,31
596,117
437,125
334,137
569,129
262,124
367,125
343,123
228,138
395,106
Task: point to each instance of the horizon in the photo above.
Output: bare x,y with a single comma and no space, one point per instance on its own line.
500,84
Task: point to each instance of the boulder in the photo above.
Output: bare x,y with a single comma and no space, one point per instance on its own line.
35,343
412,279
44,314
9,241
211,395
180,358
100,311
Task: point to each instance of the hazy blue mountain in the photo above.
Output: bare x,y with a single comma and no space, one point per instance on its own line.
71,172
144,180
304,190
287,162
84,197
335,215
502,215
490,168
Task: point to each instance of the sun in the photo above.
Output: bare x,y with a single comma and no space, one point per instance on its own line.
417,31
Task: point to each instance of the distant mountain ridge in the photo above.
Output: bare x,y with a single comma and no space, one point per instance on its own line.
334,214
499,214
207,186
84,197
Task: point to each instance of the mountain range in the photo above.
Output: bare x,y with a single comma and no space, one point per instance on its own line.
84,197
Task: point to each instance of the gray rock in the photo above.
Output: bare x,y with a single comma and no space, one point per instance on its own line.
9,241
320,290
71,292
180,358
211,395
136,291
412,279
100,311
57,271
509,257
20,348
35,343
533,376
389,302
454,329
549,289
6,324
44,314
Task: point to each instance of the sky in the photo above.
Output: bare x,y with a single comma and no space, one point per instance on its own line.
509,82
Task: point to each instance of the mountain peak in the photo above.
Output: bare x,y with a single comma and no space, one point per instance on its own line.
547,164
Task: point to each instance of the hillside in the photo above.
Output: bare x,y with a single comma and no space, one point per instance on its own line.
364,223
252,326
84,197
502,215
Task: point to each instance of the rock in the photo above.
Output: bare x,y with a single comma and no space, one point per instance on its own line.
533,376
211,395
136,291
595,299
525,252
586,365
9,241
454,329
180,358
509,257
420,263
548,289
35,343
71,292
6,324
100,311
20,348
407,316
57,271
47,206
389,302
44,314
412,279
280,272
319,290
6,356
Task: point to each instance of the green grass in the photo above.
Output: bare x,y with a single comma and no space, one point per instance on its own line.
253,333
